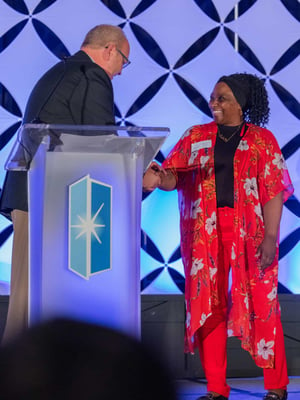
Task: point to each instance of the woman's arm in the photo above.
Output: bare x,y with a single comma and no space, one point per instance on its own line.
158,177
272,211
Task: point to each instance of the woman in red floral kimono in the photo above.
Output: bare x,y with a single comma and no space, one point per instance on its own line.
232,181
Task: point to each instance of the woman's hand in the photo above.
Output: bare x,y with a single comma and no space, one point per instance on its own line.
271,213
266,252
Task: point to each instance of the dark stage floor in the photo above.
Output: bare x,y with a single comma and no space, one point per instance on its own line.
242,389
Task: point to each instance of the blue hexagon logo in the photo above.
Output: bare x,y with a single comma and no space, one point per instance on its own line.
89,227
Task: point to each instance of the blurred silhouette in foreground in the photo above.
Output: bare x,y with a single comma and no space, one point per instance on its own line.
65,359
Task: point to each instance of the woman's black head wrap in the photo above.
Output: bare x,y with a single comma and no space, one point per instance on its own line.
240,87
250,92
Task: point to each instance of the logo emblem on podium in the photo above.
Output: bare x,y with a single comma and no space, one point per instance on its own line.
89,227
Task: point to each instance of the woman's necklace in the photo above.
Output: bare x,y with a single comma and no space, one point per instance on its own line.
224,138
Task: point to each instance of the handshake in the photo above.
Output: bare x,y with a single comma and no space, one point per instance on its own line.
158,177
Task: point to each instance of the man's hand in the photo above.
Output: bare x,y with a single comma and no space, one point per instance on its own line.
153,177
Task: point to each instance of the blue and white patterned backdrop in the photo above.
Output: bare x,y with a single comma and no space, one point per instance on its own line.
179,48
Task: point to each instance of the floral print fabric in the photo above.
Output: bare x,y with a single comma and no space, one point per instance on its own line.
260,174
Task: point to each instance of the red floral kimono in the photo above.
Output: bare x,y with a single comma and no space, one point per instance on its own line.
260,173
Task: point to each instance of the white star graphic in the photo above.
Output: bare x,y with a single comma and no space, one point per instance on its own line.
88,226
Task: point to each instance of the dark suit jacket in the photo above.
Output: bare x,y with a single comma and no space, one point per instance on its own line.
75,91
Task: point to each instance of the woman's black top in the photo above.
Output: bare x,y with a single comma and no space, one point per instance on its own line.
223,159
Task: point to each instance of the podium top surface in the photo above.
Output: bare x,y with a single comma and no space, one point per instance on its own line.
84,138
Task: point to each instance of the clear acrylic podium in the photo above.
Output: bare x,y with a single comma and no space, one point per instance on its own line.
85,192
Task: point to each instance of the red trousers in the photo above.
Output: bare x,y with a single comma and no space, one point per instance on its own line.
213,335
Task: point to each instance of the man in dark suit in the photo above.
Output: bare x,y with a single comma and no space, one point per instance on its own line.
77,90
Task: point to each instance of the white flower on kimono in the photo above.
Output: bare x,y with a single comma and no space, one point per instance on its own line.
233,255
279,161
212,272
203,161
251,187
188,319
272,295
192,157
246,301
267,169
242,233
186,133
243,145
199,188
258,211
203,319
211,223
197,266
195,208
183,208
265,349
229,332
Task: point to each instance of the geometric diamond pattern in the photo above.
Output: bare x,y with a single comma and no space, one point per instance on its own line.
178,51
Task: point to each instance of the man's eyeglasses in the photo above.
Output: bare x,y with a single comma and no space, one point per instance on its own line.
126,62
